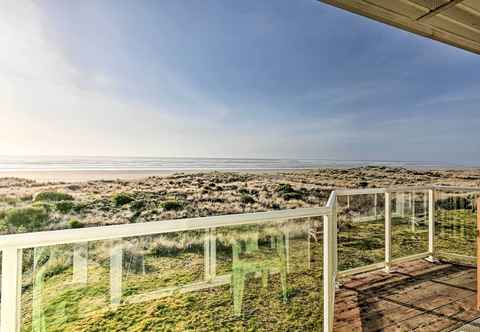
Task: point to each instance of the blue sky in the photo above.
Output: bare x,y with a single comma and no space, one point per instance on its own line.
216,78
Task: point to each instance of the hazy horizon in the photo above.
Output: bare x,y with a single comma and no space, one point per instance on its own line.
265,80
59,162
61,156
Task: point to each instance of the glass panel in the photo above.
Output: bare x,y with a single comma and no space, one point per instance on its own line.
361,230
255,277
455,227
409,223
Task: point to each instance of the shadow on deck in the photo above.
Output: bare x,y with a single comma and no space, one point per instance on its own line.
415,296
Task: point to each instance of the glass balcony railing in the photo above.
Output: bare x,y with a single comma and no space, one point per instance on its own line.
379,227
261,271
456,224
361,229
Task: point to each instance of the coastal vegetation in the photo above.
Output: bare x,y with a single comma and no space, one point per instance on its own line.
26,219
52,196
203,194
172,205
75,223
121,199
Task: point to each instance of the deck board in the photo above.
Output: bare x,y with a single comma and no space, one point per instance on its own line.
415,296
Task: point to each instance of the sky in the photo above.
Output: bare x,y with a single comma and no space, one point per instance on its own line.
225,78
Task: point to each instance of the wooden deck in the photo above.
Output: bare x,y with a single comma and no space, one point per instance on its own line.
415,296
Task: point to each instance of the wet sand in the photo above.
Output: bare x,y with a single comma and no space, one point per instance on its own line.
108,175
82,176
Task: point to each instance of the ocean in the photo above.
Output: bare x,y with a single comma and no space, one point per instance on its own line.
152,164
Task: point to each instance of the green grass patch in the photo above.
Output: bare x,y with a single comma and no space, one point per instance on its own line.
29,219
122,199
75,223
172,205
64,206
52,196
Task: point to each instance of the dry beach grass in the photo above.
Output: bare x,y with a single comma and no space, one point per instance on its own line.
182,195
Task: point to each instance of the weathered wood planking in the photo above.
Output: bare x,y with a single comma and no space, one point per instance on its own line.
456,22
415,296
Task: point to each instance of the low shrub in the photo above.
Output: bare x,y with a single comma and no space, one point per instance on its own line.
122,199
172,205
285,188
293,195
138,205
244,191
30,218
247,199
52,196
74,223
44,205
79,207
275,206
64,206
287,192
362,184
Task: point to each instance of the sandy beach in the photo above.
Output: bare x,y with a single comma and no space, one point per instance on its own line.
82,176
98,175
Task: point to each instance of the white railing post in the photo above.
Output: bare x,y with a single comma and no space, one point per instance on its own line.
329,268
388,232
431,224
11,289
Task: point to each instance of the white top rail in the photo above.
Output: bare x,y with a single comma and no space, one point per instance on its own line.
448,188
371,191
48,238
367,191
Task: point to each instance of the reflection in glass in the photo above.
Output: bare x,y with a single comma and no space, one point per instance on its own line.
266,277
409,223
